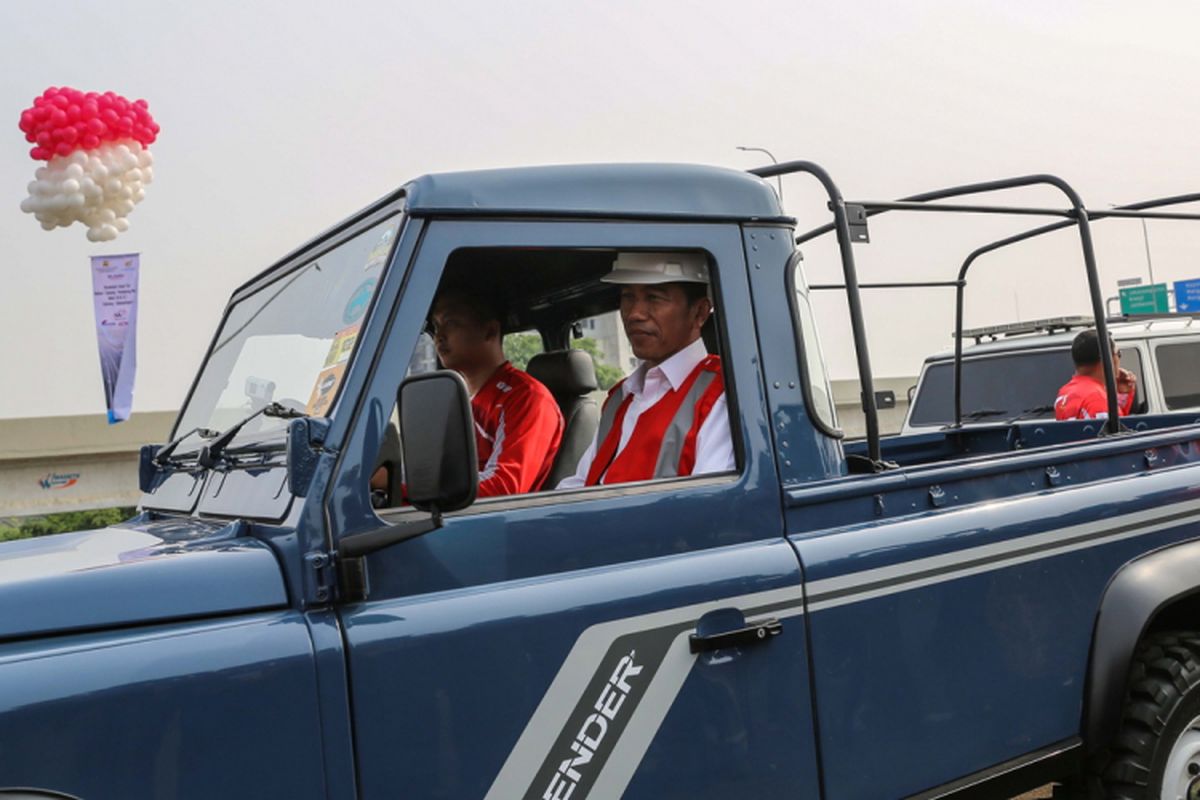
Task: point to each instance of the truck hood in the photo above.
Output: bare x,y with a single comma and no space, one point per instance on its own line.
138,572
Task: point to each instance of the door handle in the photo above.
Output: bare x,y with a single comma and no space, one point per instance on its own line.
750,634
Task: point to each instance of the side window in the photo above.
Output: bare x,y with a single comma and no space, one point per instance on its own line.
1131,359
604,340
1178,373
424,358
538,418
520,347
818,394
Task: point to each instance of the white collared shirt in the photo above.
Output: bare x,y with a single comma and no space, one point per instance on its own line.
648,385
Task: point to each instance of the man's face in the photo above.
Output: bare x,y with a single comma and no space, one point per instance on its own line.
659,321
462,341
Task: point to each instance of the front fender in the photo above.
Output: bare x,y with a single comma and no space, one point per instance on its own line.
1135,596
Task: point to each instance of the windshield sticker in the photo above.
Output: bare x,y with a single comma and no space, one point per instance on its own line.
379,253
357,305
342,345
324,390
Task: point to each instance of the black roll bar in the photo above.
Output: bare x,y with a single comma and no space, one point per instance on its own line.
858,328
1077,214
1125,211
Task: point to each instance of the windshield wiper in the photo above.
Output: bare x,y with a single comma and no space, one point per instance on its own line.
1029,412
980,413
160,458
209,455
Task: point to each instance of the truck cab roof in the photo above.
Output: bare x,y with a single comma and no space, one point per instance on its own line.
610,190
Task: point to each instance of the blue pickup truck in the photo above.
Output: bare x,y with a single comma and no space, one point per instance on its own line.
971,611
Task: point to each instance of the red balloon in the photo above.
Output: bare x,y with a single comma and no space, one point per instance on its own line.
63,119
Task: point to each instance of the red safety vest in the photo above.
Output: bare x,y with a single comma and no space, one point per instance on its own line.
663,441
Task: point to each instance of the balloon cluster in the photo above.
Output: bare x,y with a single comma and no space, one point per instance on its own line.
97,159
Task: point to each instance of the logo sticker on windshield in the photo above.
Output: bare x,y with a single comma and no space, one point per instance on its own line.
379,253
324,390
357,305
342,345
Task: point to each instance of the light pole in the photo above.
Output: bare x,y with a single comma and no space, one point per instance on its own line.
1146,239
774,160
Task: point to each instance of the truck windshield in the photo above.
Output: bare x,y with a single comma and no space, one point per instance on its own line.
291,341
995,388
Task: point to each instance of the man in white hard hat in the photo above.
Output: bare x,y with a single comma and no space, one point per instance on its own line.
669,418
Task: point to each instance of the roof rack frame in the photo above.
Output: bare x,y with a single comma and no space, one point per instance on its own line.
841,224
1127,211
1077,215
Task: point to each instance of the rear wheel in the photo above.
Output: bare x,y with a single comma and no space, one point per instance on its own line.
1156,754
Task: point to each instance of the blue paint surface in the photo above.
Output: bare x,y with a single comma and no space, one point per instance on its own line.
199,651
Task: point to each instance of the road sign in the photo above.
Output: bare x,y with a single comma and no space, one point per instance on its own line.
1150,299
1123,282
1187,296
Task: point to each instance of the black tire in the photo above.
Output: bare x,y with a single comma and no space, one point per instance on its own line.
1163,698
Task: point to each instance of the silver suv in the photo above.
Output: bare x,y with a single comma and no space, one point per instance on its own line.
1014,372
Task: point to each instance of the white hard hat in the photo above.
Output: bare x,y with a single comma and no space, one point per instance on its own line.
658,268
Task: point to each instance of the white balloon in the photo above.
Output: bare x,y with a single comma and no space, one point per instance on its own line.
121,224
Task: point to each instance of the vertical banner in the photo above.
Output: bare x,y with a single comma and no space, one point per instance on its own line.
114,298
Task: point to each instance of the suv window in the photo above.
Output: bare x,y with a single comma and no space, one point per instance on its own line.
1006,386
1178,373
995,388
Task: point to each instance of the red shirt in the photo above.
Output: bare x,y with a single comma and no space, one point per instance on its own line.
518,428
1084,397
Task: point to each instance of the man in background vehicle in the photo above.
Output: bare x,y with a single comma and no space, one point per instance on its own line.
669,418
1084,396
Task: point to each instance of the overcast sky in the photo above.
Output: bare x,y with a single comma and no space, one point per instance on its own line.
280,118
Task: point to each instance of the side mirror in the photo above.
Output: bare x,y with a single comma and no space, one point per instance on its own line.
441,471
437,441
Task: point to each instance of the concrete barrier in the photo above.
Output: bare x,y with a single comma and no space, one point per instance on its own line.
51,464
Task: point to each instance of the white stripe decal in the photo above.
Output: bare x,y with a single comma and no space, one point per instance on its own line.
568,687
1147,521
567,690
647,719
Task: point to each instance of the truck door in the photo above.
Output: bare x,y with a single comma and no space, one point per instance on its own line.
537,646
